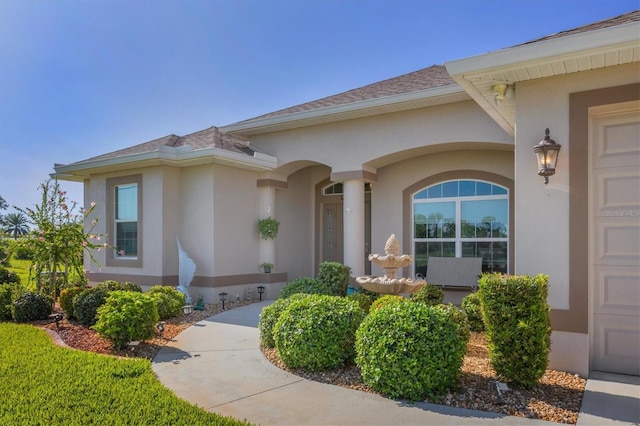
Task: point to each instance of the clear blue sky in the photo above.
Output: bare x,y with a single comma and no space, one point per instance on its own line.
80,78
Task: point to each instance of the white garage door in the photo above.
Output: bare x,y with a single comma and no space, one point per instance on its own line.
615,237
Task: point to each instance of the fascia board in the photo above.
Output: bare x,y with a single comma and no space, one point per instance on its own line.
453,89
597,40
179,157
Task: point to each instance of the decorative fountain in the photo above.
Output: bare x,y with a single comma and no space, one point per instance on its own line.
390,263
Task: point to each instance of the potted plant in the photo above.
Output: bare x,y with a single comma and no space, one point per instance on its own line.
268,228
267,267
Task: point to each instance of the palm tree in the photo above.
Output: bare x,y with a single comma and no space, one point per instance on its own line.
16,225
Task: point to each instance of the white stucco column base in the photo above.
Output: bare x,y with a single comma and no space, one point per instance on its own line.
353,214
267,209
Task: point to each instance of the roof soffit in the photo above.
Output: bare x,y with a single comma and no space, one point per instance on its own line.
547,58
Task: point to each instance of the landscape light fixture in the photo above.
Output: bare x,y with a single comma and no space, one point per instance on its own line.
260,291
223,298
547,154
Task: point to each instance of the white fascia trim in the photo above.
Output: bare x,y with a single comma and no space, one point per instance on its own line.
339,109
626,34
177,156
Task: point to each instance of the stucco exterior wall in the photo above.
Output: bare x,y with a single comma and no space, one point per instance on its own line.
541,104
235,235
348,145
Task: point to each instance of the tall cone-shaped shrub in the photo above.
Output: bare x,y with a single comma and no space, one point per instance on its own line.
518,328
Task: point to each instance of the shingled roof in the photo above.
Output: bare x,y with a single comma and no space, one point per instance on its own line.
427,78
633,16
208,138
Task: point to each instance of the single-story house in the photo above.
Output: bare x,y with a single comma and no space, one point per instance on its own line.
441,157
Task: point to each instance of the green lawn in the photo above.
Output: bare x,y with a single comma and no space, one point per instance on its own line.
44,384
20,268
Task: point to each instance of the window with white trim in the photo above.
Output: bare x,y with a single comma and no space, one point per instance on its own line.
462,218
126,219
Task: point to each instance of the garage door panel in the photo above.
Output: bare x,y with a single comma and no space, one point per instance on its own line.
617,192
619,290
619,141
618,345
618,241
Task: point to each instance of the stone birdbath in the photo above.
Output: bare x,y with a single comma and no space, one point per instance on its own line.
389,283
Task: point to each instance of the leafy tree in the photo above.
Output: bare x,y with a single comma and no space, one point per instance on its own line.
15,224
57,238
3,206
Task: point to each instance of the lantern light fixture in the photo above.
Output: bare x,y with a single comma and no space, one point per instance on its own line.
547,155
261,291
223,298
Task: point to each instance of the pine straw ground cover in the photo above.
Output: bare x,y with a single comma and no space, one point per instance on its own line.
557,398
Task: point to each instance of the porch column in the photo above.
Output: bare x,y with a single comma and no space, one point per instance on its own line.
267,197
353,214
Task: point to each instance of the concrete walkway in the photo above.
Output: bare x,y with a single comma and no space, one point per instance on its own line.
217,364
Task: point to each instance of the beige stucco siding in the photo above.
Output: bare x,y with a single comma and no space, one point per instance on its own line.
347,146
235,235
542,104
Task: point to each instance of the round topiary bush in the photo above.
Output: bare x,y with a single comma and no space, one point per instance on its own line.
30,306
304,285
8,277
127,316
429,294
86,304
318,332
66,300
471,306
335,276
111,285
269,316
364,300
410,350
387,299
169,300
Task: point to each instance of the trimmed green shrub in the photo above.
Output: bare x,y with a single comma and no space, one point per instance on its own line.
127,316
458,316
7,293
318,332
429,294
22,252
31,306
471,306
169,300
269,316
364,300
304,285
335,276
410,350
111,285
86,304
66,300
518,328
8,277
387,299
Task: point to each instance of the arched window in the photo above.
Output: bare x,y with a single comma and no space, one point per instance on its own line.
462,218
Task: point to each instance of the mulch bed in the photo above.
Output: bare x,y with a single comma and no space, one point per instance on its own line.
557,398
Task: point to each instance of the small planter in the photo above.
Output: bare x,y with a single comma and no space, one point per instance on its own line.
266,266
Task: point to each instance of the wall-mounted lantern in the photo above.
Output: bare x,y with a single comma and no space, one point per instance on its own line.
547,154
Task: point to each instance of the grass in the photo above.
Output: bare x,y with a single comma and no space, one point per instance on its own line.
44,384
21,269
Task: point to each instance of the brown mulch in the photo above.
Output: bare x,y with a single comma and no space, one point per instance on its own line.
557,398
